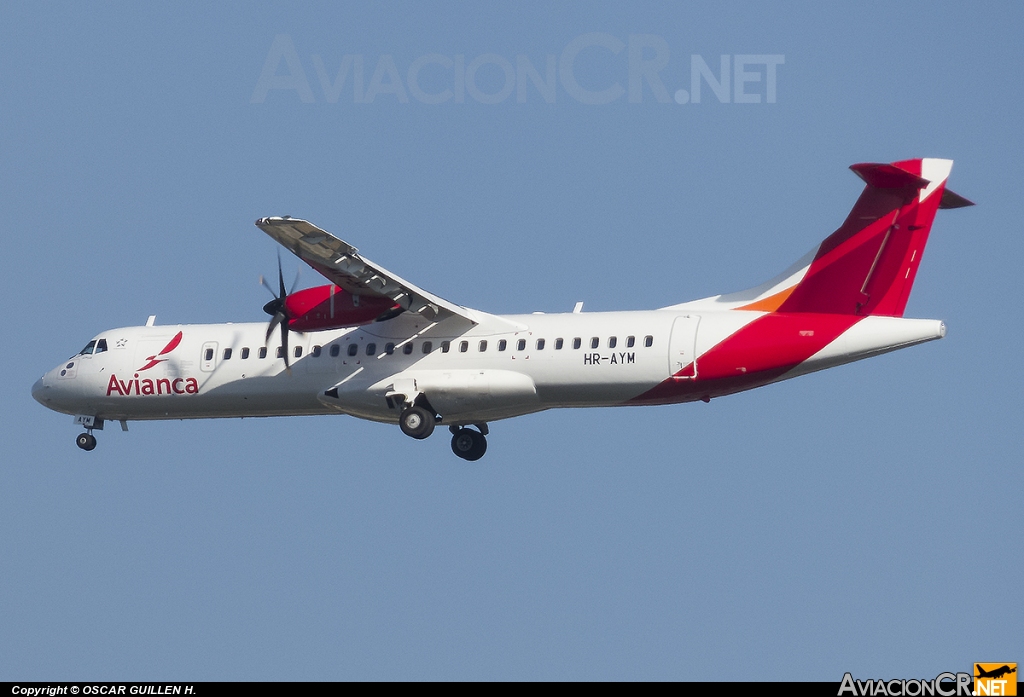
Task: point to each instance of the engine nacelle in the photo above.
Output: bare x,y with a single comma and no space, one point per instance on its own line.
330,307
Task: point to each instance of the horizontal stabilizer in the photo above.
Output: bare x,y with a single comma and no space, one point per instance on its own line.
883,176
952,200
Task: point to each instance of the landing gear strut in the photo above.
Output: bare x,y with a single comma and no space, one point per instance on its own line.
416,422
468,444
86,441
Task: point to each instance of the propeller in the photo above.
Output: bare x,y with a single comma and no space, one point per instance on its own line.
278,310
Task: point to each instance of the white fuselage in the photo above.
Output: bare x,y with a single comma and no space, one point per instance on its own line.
502,367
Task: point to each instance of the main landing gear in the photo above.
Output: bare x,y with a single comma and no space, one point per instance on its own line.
418,422
467,443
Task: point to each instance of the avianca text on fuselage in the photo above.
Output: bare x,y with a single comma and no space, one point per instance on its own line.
149,386
373,345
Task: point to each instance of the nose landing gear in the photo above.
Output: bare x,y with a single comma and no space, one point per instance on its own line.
86,441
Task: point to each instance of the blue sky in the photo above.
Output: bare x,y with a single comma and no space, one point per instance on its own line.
857,520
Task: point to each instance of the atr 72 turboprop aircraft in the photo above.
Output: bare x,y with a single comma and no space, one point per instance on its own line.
373,345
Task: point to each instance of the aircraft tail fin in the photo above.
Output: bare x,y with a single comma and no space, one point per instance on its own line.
868,265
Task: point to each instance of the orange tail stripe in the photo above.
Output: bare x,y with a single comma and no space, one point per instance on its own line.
771,303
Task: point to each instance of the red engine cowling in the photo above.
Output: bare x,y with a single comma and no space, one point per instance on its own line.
330,307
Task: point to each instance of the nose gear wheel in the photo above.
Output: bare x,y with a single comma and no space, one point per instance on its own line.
86,441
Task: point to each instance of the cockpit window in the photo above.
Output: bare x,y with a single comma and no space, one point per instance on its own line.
101,346
89,348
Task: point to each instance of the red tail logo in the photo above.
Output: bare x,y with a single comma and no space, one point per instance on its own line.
868,265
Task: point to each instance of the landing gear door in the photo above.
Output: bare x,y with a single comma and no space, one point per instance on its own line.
682,354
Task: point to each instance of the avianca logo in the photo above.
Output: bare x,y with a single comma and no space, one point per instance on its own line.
156,360
146,386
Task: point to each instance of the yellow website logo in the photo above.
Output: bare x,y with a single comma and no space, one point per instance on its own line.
995,679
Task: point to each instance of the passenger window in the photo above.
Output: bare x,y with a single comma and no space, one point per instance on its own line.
297,352
316,351
227,354
245,353
463,346
521,345
558,344
648,341
101,346
353,349
577,342
389,348
445,346
208,356
427,347
371,349
630,340
502,344
335,350
280,351
595,342
483,345
612,341
540,344
263,352
407,349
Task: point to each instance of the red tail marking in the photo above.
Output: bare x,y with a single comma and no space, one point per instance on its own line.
867,266
757,354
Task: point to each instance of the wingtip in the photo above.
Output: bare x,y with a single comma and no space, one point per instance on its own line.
271,219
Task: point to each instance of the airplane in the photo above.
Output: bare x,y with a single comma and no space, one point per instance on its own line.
373,345
994,673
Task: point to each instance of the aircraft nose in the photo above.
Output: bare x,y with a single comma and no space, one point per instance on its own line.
39,390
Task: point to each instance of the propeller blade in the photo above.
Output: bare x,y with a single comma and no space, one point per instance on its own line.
274,321
280,278
278,311
284,346
263,282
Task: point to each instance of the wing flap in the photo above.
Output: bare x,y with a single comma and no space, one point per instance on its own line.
340,263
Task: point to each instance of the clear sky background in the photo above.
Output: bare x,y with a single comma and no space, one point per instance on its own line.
863,519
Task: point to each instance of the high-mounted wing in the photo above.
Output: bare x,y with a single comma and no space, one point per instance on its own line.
341,264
